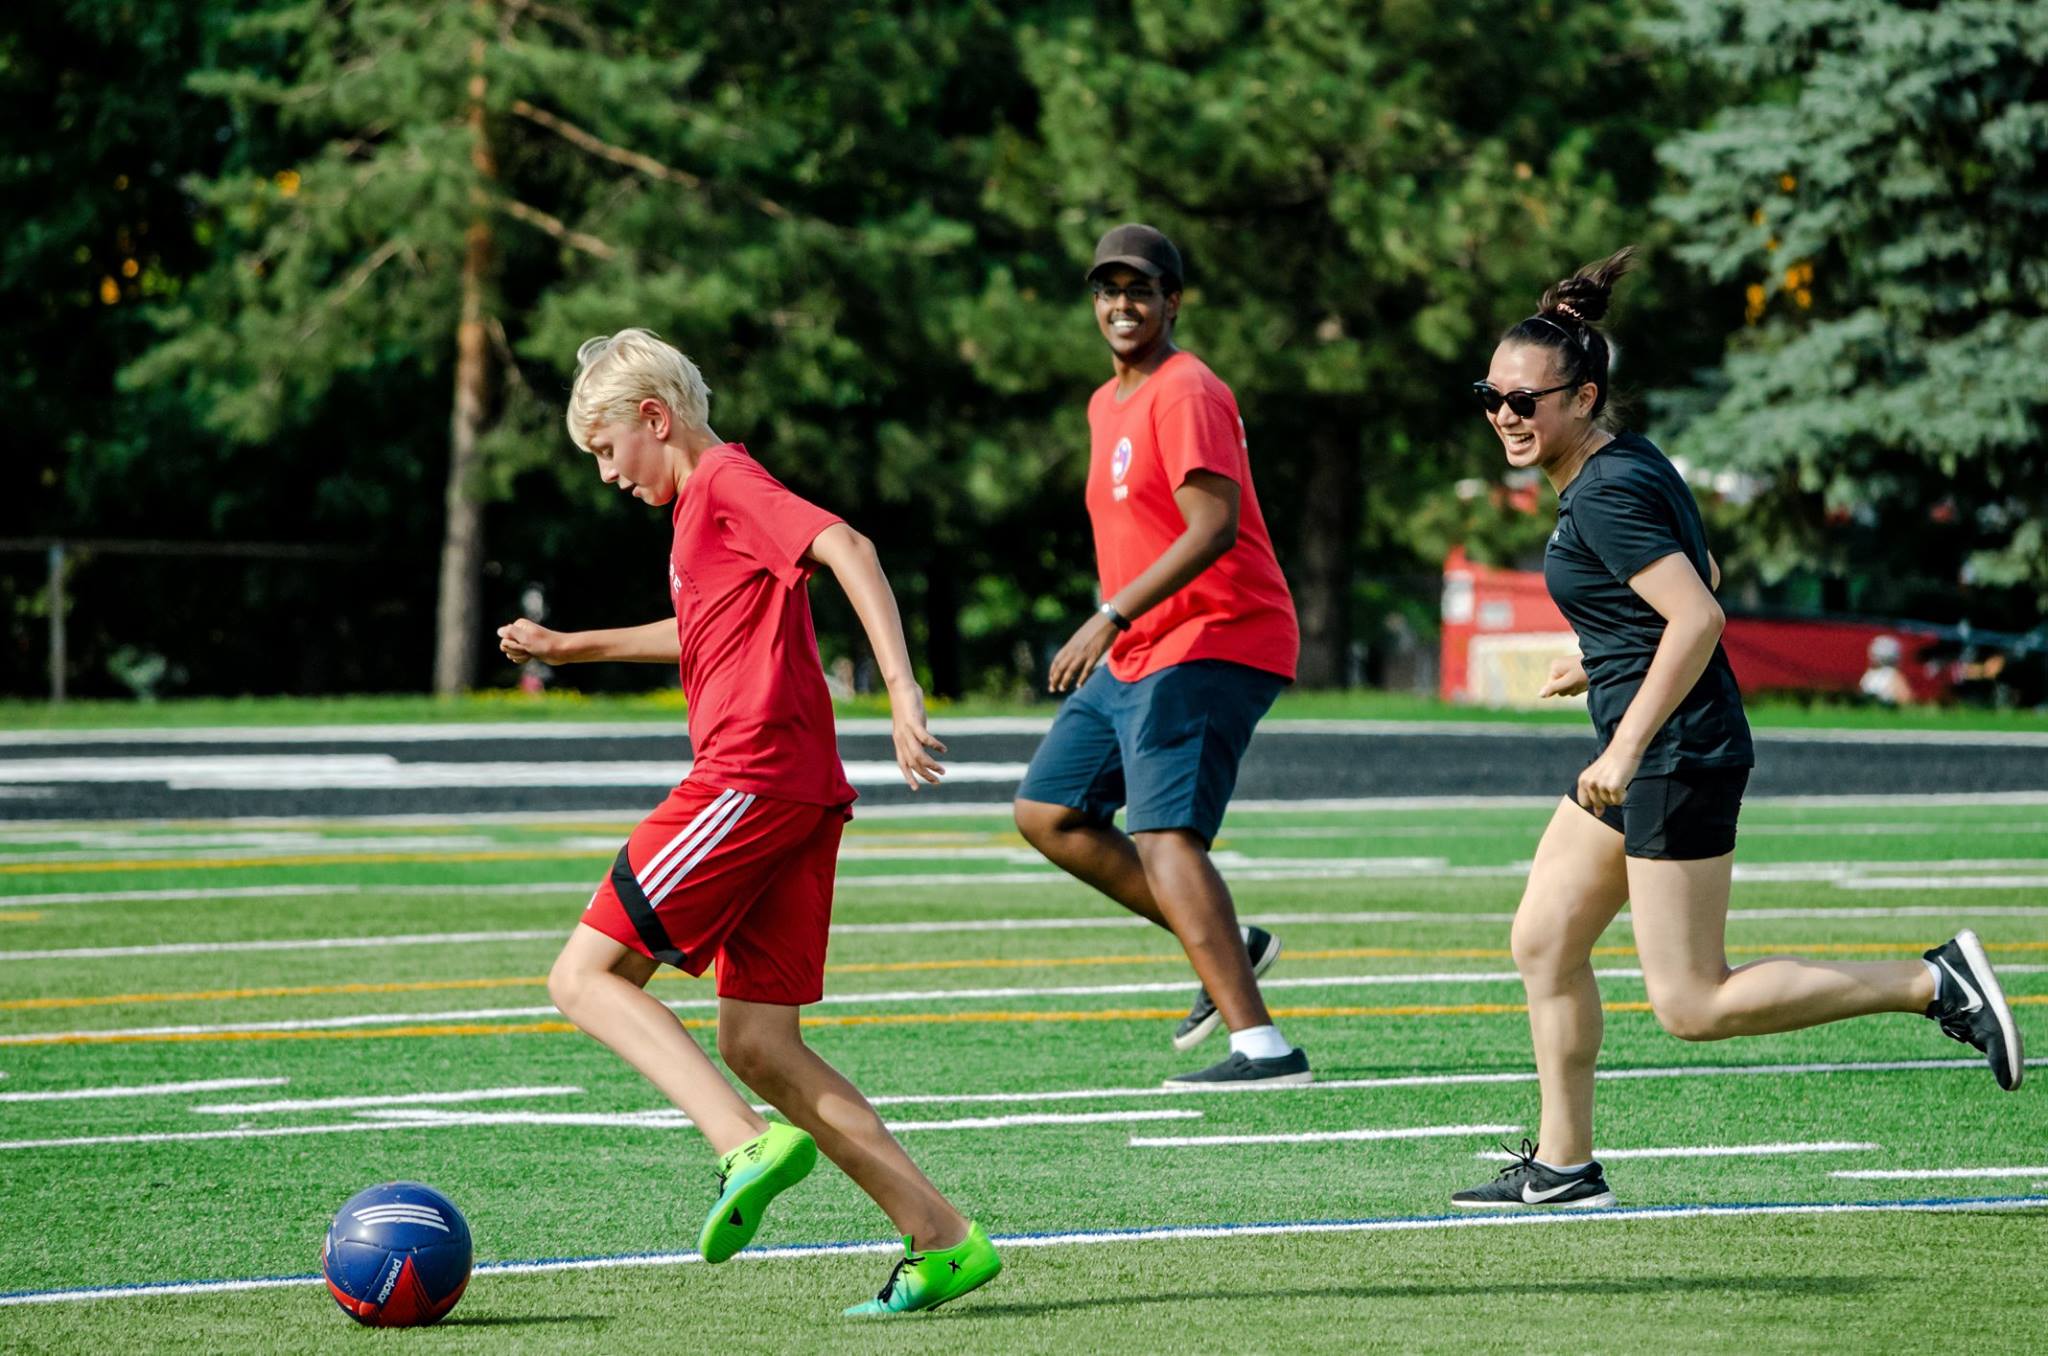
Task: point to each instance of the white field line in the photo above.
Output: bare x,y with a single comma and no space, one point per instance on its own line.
665,1119
1936,1174
290,944
1001,809
565,887
1438,1081
1945,883
1962,909
670,729
1322,1136
1885,830
1102,1237
1915,800
382,772
1715,1151
369,1121
257,851
1432,979
398,1099
195,1136
1954,873
142,1090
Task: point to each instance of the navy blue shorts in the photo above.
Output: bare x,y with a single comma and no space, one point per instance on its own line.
1165,749
1683,816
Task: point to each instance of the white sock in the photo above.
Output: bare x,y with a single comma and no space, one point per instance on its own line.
1934,971
1259,1042
1573,1171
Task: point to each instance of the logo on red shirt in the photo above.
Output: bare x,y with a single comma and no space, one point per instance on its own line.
1119,467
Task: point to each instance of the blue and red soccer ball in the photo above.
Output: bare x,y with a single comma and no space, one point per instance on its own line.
397,1256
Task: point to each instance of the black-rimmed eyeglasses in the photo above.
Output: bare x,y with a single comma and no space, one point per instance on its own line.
1140,293
1522,402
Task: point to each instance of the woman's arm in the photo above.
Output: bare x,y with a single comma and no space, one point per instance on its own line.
853,562
654,643
1692,628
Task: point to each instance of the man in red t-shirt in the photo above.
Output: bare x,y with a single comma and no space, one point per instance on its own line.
736,868
1199,631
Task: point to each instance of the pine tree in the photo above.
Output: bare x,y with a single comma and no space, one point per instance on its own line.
1879,199
1367,192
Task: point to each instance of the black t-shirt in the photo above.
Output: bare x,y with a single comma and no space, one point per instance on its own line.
1627,508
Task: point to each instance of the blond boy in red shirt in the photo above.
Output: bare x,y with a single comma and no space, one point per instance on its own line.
735,869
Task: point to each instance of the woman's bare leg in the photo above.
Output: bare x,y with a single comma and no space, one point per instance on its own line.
1681,921
1576,886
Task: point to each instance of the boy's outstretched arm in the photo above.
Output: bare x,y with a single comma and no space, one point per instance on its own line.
654,643
853,562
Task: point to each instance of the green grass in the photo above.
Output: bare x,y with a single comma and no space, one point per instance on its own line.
667,706
223,1209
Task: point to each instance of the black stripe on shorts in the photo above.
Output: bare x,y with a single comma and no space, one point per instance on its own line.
627,886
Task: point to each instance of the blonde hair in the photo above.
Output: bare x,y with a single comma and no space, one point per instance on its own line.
615,372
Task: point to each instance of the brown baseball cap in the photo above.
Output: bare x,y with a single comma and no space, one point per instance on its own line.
1141,247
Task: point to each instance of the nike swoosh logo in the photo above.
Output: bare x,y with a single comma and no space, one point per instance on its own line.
1976,999
1531,1196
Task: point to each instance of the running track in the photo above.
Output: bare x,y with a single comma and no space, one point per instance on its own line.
626,767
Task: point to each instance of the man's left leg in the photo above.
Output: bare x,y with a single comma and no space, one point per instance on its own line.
1196,905
1184,732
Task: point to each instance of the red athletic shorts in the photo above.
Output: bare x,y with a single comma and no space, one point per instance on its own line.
721,875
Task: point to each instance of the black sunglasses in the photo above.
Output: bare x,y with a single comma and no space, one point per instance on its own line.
1521,402
1137,292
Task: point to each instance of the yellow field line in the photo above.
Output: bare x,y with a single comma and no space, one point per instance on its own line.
303,859
886,968
21,916
850,1019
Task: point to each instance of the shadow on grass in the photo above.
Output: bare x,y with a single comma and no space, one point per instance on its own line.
1748,1286
525,1320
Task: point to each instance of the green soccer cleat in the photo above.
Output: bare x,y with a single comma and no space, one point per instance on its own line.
748,1178
925,1280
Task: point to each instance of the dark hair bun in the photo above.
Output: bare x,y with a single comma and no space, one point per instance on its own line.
1584,296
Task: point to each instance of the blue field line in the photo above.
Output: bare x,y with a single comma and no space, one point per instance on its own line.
1046,1239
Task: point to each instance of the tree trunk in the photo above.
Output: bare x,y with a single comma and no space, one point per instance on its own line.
462,543
1329,528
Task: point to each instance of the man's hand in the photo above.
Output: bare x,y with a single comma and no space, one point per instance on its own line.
914,743
1079,656
1567,679
523,640
1606,782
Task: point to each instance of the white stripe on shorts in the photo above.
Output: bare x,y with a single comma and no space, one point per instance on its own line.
652,869
657,884
737,808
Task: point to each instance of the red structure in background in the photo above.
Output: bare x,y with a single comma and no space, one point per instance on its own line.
1484,604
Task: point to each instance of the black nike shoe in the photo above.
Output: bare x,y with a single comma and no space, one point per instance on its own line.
1971,1007
1242,1071
1525,1183
1263,948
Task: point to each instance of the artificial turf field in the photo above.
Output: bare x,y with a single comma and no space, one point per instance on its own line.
1015,1028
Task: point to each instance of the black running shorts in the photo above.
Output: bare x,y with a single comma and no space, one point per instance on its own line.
1683,816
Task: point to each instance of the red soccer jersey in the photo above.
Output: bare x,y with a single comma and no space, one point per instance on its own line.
760,718
1183,419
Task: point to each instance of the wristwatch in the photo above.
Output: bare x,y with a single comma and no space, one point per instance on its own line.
1116,618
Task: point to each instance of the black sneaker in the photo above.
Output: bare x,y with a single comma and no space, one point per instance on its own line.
1972,1008
1263,948
1525,1182
1242,1071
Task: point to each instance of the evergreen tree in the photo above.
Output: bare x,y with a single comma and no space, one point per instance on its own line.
1880,201
1367,192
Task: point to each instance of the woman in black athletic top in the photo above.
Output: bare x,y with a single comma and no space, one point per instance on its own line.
1652,819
